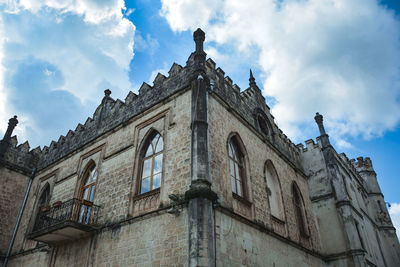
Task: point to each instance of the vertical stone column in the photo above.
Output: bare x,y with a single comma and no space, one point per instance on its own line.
200,195
343,206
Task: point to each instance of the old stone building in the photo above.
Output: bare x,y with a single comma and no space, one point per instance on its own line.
192,171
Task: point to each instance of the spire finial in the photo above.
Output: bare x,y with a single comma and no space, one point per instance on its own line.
199,36
319,120
199,56
107,92
252,80
11,125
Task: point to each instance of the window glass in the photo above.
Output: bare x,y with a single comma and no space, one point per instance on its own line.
87,192
151,175
157,181
147,168
158,163
236,167
160,145
145,185
149,151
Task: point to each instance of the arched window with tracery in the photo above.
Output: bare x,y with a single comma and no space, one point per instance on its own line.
299,210
86,195
237,167
151,163
274,190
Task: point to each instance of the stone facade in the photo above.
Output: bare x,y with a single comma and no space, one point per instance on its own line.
318,209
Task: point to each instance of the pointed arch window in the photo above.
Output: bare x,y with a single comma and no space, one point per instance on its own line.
151,164
237,167
87,194
44,197
274,190
299,211
42,205
263,125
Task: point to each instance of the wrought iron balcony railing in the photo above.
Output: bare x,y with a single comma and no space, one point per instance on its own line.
73,210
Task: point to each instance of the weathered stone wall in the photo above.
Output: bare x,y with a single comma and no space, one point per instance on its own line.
31,258
249,104
116,156
372,220
161,240
12,190
155,240
239,244
256,207
136,230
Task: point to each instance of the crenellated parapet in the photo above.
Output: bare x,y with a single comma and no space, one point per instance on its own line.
250,104
365,169
349,163
112,113
363,164
19,157
310,145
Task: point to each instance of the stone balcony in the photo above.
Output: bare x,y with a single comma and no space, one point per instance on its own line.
65,221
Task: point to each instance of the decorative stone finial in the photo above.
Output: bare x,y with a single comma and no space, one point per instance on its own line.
252,80
199,36
319,120
11,125
199,56
107,92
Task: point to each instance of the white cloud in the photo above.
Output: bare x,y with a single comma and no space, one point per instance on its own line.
89,44
394,212
338,57
3,96
154,73
147,43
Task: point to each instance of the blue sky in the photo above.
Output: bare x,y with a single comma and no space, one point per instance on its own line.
338,57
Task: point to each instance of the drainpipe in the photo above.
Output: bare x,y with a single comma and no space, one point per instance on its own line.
21,211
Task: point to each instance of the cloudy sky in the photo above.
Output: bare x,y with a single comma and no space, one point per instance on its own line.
338,57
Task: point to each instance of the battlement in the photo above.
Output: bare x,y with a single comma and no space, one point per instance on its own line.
249,103
362,164
112,113
349,163
310,145
19,156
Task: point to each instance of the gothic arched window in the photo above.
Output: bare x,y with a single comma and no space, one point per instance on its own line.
86,195
274,190
42,207
151,163
299,210
237,167
263,125
44,197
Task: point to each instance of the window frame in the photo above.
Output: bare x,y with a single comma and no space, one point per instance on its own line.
39,205
300,211
45,188
86,203
142,158
270,167
263,124
235,140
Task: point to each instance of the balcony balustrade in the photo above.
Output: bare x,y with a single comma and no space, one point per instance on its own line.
65,221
